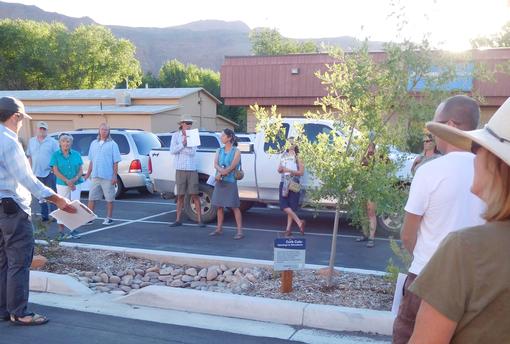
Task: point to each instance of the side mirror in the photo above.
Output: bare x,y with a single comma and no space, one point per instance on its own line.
245,147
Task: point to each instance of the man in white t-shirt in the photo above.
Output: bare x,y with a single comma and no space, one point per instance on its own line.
440,201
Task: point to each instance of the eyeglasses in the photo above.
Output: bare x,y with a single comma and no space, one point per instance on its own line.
188,123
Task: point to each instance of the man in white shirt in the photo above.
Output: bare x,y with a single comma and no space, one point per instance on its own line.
40,149
440,201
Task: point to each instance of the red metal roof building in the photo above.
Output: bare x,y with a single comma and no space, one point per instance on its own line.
289,82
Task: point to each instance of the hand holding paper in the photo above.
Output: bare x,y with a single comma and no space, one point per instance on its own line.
75,220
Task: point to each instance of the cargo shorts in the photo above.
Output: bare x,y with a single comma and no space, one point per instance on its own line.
186,182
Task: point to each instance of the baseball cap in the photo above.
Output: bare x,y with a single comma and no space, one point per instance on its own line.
14,105
42,124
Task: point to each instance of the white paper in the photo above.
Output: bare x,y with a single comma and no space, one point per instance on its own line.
399,293
211,180
73,221
192,138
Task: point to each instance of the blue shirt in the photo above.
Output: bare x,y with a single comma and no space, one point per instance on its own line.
67,165
16,177
40,152
102,155
184,159
225,160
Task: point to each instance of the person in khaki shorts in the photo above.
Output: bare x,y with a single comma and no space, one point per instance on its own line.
104,156
186,175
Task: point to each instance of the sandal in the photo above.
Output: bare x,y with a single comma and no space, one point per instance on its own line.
287,234
302,227
216,233
362,238
238,236
370,243
35,319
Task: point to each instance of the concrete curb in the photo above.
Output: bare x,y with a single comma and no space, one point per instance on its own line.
48,282
180,258
262,309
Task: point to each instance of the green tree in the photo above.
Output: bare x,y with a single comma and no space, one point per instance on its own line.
270,42
173,74
38,55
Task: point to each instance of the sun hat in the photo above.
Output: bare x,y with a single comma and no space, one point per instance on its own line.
186,118
42,124
494,136
13,105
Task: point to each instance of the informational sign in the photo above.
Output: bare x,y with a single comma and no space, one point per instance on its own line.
289,254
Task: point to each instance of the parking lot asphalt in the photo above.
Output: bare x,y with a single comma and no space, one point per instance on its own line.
141,221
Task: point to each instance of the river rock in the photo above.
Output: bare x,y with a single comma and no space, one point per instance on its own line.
144,284
186,278
165,278
249,276
176,272
125,288
223,268
153,269
192,272
139,272
203,273
130,272
212,273
127,280
166,271
114,279
104,277
177,283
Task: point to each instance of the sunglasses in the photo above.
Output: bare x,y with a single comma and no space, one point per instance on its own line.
475,147
188,123
427,141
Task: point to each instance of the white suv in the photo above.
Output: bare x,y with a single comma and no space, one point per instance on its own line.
134,146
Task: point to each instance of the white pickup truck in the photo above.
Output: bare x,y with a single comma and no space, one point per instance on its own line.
261,179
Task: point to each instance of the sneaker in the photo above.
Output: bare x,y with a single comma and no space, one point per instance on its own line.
175,224
74,234
107,221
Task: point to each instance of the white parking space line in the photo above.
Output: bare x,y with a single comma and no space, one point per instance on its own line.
126,223
136,201
258,230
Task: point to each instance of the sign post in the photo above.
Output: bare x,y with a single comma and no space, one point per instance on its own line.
289,255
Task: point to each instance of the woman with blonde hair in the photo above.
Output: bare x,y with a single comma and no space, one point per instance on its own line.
465,287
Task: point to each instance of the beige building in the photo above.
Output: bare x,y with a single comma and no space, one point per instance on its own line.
151,109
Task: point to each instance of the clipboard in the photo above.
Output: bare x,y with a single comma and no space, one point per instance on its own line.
72,221
192,138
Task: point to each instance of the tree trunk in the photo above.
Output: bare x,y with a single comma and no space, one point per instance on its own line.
333,247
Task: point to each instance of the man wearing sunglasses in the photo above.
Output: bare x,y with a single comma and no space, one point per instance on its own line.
440,202
186,175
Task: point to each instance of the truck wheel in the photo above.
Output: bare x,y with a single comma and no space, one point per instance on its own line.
208,210
119,188
391,222
246,205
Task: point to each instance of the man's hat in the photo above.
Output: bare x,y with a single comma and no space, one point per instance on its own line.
42,124
186,118
11,104
495,136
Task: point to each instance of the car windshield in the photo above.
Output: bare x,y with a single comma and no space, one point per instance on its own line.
145,142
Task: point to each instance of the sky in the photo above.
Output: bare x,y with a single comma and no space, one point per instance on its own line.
450,23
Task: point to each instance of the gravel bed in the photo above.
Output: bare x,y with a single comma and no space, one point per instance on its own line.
111,272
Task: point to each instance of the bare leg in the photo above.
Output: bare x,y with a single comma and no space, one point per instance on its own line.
220,215
239,220
293,216
92,205
289,224
180,205
109,209
198,207
372,218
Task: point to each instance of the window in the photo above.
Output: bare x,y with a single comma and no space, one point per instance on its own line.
209,142
279,143
243,139
312,130
81,143
166,140
122,142
145,142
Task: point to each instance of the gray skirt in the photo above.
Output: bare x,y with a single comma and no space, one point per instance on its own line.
225,195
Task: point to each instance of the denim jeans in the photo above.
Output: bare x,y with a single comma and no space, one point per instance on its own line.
16,251
46,207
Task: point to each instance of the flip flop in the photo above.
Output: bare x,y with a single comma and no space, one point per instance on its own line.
35,319
238,236
216,233
287,234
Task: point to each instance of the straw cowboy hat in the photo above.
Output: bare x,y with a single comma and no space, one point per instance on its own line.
495,136
186,118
